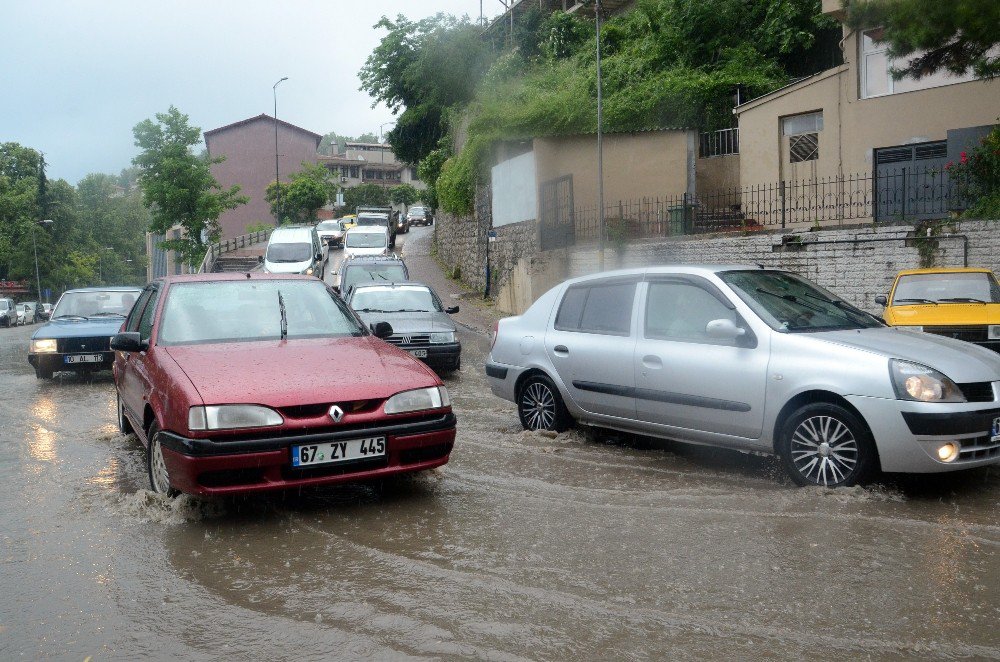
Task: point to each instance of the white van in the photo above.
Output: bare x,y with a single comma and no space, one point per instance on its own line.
366,240
294,249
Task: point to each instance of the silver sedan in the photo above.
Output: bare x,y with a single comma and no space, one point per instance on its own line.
751,359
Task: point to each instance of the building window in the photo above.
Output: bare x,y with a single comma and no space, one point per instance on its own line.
876,76
807,123
355,172
803,147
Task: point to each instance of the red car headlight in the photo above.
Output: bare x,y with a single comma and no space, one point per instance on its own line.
231,417
419,399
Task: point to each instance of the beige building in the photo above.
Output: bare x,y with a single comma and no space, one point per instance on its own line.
855,121
370,163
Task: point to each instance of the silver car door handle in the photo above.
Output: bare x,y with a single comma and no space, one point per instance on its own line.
652,361
561,349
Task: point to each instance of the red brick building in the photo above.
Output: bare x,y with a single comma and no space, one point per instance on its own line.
248,146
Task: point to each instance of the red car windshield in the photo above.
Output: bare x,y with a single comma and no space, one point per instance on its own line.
248,310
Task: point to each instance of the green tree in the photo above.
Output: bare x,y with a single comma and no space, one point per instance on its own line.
178,186
420,69
117,222
403,194
365,195
306,191
956,36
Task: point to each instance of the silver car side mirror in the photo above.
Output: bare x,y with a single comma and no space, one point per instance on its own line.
724,329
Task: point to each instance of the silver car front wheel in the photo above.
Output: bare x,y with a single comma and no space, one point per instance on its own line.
540,407
827,445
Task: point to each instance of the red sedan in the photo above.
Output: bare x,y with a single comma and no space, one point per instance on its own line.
249,382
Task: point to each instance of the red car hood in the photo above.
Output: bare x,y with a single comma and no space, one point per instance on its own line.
300,371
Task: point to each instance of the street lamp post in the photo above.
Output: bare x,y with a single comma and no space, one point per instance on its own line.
600,134
34,244
277,176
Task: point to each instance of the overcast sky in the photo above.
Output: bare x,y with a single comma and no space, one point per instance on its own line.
75,76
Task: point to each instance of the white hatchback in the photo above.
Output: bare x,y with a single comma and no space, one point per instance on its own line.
366,240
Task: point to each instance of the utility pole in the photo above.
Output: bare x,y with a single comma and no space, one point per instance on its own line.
600,136
277,177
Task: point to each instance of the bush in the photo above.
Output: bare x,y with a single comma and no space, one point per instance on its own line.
978,173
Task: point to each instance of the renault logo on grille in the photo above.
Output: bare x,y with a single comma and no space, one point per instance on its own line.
336,413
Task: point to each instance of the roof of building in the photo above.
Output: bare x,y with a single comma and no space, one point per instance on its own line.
267,118
791,87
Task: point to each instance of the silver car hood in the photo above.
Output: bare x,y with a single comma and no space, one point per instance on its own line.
962,361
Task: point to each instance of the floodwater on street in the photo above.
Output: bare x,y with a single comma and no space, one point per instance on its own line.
524,546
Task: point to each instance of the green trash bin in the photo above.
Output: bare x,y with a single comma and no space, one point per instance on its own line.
677,219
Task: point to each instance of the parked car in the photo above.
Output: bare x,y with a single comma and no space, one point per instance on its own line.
381,216
25,314
421,324
331,233
958,303
8,313
44,311
294,249
77,336
322,401
365,240
752,359
420,216
373,269
402,224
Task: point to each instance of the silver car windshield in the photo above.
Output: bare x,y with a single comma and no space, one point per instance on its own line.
248,310
106,303
792,304
395,300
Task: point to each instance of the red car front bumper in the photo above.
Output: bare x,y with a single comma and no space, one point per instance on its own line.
205,467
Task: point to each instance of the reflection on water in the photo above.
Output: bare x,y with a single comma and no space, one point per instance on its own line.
42,445
108,476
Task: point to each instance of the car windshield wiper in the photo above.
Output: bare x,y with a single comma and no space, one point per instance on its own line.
373,310
74,317
411,310
844,306
284,318
915,300
792,298
962,300
107,315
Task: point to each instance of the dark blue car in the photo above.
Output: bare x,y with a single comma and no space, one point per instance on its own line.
78,334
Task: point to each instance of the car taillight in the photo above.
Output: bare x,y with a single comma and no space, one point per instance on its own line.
496,330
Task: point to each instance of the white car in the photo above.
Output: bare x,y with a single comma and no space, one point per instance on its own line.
295,249
366,240
25,314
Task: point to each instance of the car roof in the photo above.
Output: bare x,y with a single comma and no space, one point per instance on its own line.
291,231
367,229
686,269
945,270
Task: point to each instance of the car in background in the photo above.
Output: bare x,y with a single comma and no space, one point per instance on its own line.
8,312
753,359
959,303
322,401
402,224
33,309
349,221
25,314
379,216
420,323
294,249
419,216
331,233
366,240
44,311
375,269
78,334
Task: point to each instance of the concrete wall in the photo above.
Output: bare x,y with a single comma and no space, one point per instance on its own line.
515,190
852,126
717,173
249,152
636,165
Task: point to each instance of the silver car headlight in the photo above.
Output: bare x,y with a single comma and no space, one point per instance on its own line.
441,337
420,399
993,333
45,346
232,417
913,381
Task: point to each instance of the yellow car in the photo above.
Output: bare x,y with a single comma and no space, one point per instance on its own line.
958,303
348,221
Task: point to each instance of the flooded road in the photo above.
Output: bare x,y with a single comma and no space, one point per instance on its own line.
525,546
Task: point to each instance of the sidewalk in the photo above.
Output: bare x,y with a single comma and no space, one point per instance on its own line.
474,312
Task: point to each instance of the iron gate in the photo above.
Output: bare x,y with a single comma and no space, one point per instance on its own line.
557,225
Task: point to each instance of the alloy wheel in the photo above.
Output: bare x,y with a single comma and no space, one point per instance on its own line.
539,406
824,450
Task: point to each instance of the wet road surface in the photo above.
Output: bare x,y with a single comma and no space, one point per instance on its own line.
525,546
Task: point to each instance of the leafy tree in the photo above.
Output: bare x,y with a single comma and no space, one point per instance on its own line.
403,194
429,170
955,36
178,186
365,195
307,191
420,69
